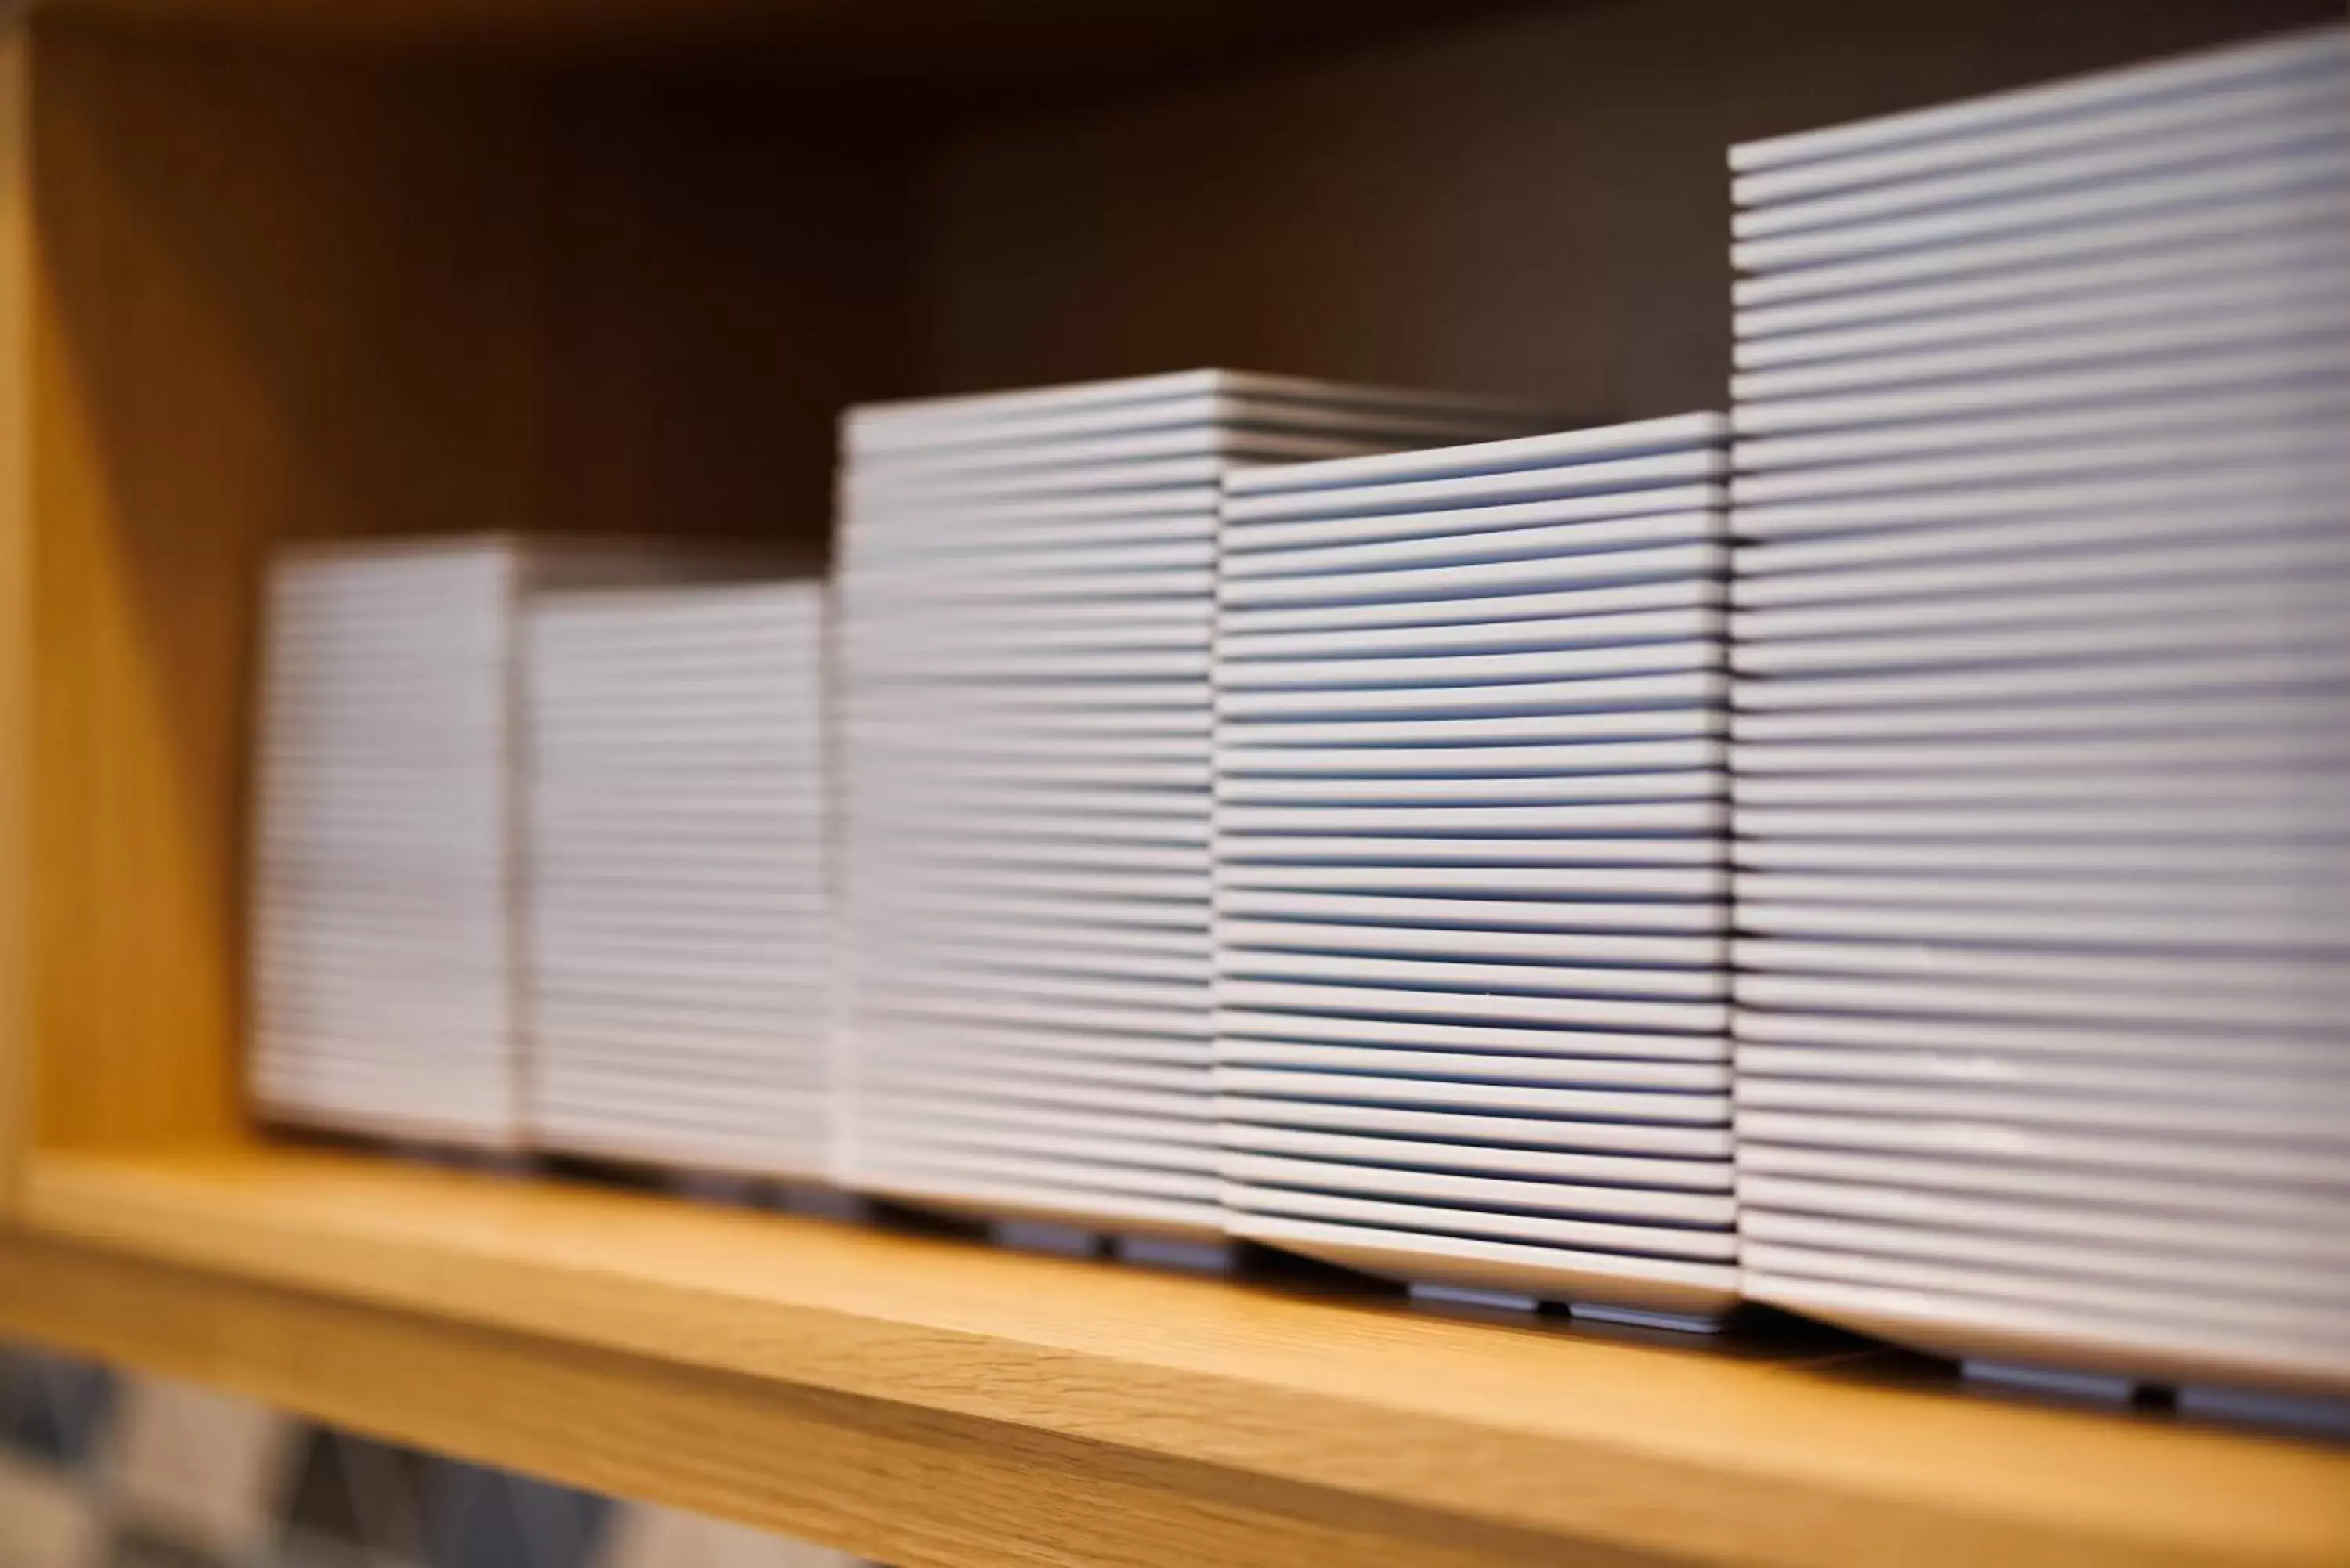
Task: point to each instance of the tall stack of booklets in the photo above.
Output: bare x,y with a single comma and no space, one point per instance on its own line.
1027,591
1473,998
2042,748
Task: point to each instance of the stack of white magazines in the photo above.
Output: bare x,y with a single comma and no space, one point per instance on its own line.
2043,749
1027,591
678,868
383,953
1471,992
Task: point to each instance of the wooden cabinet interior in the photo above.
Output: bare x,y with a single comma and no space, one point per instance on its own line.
276,296
260,289
415,272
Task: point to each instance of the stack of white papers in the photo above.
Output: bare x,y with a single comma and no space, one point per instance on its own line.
678,868
383,951
2043,754
1471,992
1026,593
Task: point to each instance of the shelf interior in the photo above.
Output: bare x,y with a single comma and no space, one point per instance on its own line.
270,292
256,292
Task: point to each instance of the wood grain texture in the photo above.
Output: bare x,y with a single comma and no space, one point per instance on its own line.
1534,206
274,299
1446,1441
918,1488
722,274
15,597
288,295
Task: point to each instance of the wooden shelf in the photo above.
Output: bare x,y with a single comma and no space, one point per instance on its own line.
929,1401
251,294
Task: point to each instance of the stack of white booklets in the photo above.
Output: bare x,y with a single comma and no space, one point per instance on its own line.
2043,754
678,868
1026,594
1471,996
383,951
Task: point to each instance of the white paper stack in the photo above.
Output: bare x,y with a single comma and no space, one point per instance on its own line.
678,869
2043,749
383,963
1471,998
1026,595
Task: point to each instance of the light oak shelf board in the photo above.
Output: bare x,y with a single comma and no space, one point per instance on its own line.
930,1401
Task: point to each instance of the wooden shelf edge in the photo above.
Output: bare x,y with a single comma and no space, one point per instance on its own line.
927,1401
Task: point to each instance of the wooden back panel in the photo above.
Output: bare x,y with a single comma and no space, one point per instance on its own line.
1534,206
15,592
304,296
274,298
